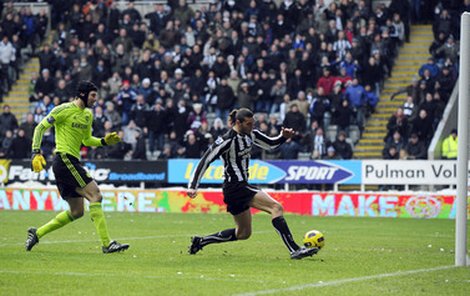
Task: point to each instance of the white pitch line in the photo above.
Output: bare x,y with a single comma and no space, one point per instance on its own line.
48,242
95,275
344,281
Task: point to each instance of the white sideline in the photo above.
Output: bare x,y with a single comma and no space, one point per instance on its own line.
178,275
344,281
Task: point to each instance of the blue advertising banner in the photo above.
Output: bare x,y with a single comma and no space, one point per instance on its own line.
115,172
270,172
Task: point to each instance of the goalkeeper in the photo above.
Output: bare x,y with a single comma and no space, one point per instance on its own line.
72,122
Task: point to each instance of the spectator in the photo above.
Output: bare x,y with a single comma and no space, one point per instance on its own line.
47,59
6,150
278,91
445,84
265,84
372,100
98,122
21,146
225,99
245,98
7,58
147,91
125,99
326,81
397,140
183,13
294,119
62,91
319,144
28,126
356,95
343,115
331,153
372,74
131,133
390,153
397,122
431,66
158,18
197,117
157,119
448,50
342,148
140,150
45,85
218,129
415,148
193,146
112,115
410,109
290,149
297,83
8,121
138,112
450,146
423,126
319,106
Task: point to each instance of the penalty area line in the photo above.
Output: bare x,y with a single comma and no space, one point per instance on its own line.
344,281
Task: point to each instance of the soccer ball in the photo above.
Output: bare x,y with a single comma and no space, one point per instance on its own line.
314,239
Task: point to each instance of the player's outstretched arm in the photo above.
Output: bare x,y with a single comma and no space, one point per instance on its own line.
108,139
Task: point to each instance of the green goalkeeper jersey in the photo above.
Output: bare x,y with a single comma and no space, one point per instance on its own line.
72,129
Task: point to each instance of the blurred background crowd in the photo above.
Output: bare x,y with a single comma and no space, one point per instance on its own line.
168,78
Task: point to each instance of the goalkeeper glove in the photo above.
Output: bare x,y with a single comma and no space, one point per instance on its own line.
110,139
38,162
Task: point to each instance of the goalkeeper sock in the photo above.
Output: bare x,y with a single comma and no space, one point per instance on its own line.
281,227
62,219
97,216
223,236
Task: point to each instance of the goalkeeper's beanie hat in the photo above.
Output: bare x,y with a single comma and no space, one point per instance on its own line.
84,88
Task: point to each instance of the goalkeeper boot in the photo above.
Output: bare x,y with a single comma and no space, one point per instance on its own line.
114,246
196,245
304,252
32,239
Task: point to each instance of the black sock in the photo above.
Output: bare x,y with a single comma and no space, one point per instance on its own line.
281,227
223,236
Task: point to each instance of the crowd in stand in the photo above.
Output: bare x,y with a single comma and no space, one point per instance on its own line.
412,126
21,32
169,78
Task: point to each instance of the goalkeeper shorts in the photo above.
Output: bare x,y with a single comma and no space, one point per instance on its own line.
69,175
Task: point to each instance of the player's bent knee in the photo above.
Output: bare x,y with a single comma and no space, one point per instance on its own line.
278,209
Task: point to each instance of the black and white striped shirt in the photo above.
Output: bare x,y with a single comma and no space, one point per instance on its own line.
234,149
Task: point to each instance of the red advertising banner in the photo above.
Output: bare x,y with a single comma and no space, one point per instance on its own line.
303,203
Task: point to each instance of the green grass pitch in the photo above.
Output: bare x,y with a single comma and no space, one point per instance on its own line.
362,256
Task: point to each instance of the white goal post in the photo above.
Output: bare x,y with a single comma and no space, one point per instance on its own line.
462,159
